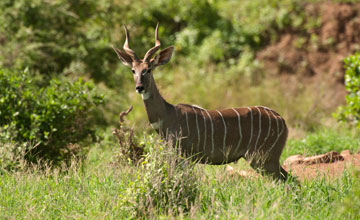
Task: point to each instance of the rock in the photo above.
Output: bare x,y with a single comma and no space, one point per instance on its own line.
295,159
329,157
229,170
345,153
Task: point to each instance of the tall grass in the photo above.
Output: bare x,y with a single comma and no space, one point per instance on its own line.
165,183
165,186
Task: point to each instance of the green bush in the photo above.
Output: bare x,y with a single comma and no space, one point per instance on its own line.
68,36
64,36
53,117
351,112
73,38
166,183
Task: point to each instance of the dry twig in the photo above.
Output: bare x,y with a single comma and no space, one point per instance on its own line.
128,145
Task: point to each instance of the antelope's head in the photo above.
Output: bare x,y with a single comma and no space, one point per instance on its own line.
142,68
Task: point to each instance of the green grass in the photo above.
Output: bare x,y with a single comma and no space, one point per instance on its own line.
93,195
323,141
101,187
263,199
80,192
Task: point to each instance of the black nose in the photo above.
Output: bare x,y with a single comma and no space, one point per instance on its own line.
139,89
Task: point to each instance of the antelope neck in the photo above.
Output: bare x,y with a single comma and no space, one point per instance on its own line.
155,105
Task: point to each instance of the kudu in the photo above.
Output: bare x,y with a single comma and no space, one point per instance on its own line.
255,133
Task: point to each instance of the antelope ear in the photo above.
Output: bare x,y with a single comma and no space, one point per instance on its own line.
163,57
124,57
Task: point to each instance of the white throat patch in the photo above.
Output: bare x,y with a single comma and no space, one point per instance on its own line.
157,125
146,95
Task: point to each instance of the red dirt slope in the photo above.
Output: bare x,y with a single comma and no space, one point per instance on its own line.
315,56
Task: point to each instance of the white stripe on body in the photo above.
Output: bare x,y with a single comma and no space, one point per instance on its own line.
198,130
251,130
259,128
267,136
277,129
198,107
187,125
225,131
202,113
279,134
212,133
277,122
239,121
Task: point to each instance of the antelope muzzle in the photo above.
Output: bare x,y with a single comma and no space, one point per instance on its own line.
140,89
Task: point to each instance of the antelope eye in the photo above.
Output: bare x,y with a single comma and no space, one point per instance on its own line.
133,71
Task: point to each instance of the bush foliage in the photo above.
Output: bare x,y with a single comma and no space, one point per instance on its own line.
75,36
351,112
51,117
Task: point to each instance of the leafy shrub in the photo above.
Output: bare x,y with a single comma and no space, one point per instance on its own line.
68,35
55,117
351,112
166,183
59,36
70,38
